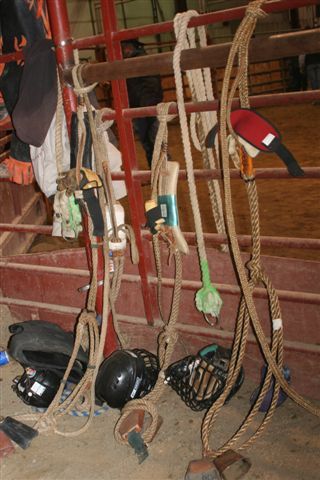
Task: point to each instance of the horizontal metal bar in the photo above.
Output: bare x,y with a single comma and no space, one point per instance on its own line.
4,155
204,19
288,295
256,101
218,333
214,238
64,309
163,27
211,332
25,228
273,47
44,269
309,172
292,296
246,240
11,57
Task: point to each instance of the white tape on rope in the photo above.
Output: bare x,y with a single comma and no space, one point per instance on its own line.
277,324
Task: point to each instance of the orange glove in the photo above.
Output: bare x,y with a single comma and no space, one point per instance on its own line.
20,172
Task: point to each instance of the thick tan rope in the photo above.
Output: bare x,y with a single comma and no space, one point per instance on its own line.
207,299
200,83
166,345
58,129
248,312
252,12
106,195
168,336
256,276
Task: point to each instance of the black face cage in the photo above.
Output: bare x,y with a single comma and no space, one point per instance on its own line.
151,370
200,381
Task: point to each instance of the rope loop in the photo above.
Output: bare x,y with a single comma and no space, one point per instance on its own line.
163,112
254,9
79,89
103,125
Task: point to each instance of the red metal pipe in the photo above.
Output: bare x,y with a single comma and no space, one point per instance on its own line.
256,101
213,238
273,47
204,19
60,29
309,172
4,155
127,146
11,57
164,27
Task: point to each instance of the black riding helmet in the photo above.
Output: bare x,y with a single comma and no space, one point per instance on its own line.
124,375
44,345
37,388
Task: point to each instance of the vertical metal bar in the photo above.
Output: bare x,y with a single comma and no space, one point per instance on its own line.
60,29
155,18
124,16
136,203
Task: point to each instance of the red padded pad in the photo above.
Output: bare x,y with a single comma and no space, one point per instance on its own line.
253,128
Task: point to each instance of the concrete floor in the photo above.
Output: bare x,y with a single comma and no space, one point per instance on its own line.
288,450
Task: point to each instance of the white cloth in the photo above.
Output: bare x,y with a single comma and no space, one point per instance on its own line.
45,168
44,160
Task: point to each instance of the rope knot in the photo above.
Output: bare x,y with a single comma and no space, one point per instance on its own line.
103,125
255,271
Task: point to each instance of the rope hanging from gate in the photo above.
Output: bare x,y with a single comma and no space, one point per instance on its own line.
200,84
208,300
87,321
168,336
106,197
247,310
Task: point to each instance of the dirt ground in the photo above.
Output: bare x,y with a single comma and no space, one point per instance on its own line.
288,450
288,208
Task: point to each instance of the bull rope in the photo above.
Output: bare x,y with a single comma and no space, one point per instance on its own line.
168,336
247,311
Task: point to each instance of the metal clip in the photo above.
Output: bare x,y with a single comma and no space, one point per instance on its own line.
86,287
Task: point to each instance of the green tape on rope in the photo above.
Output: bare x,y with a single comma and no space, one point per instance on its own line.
75,219
208,300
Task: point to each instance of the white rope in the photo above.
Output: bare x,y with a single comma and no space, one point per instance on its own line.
200,84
